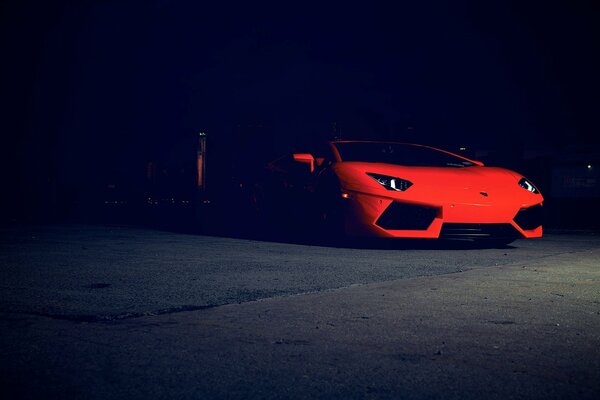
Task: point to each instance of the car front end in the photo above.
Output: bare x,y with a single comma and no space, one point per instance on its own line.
469,202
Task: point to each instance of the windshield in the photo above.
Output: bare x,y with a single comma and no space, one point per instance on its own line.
399,154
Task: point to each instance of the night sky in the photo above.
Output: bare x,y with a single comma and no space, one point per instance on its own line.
97,86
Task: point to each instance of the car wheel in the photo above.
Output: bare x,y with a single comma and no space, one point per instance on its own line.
331,226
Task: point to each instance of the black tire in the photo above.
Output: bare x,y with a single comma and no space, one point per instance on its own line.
331,215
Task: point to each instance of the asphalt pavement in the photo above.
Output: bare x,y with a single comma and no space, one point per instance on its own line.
119,312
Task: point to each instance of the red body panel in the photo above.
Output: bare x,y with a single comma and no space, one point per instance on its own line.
469,195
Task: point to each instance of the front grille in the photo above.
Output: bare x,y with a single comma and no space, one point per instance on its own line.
477,231
530,218
402,216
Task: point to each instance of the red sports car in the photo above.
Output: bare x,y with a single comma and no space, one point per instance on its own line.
400,190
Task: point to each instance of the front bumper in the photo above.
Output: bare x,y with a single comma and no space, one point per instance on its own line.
374,215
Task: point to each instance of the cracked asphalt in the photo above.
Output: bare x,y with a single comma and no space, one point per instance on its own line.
119,312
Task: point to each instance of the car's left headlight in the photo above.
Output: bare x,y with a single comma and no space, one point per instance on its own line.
391,182
525,184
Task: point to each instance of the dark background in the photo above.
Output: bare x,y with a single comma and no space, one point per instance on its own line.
102,101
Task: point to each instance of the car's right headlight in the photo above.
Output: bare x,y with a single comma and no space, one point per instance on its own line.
525,184
391,182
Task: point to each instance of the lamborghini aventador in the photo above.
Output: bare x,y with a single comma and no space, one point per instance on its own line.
399,190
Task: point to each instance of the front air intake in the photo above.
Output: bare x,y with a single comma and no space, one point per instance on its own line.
403,216
530,218
477,231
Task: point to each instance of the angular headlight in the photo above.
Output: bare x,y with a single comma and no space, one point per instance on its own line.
390,182
525,184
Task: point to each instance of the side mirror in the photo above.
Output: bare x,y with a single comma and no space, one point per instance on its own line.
305,158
